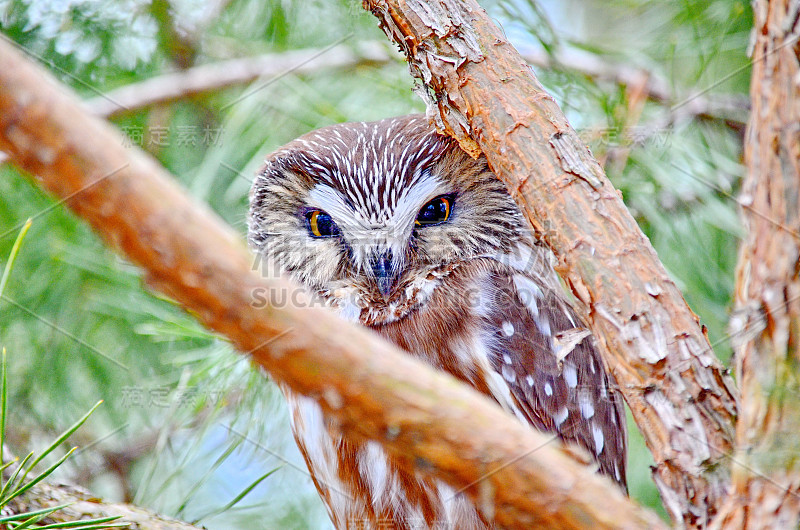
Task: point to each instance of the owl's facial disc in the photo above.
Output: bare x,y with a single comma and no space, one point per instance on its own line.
378,246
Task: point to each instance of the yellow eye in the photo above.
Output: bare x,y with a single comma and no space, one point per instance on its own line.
320,224
435,211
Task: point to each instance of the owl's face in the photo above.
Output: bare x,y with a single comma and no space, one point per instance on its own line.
371,207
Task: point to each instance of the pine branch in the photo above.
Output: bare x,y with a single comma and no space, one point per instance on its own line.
209,78
731,109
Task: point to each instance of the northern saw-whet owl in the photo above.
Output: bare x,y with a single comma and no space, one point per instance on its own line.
398,229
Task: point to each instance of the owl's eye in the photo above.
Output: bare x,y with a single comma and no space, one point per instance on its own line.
436,211
320,224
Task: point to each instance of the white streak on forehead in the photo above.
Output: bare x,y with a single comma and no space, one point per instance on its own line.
423,188
363,230
331,201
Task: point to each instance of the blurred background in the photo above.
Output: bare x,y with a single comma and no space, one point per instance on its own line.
658,89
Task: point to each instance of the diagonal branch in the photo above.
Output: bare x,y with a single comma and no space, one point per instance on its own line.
480,91
368,385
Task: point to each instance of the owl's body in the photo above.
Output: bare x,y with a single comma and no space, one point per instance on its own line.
401,231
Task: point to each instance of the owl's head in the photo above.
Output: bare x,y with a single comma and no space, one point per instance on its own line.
372,206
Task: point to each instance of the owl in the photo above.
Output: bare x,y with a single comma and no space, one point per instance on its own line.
399,230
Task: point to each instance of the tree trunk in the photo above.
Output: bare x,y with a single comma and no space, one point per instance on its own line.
766,326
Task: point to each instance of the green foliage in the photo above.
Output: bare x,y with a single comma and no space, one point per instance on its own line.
211,425
85,40
16,484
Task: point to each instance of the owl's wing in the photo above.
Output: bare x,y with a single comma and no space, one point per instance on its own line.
555,376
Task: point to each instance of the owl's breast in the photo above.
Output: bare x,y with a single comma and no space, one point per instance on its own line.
444,324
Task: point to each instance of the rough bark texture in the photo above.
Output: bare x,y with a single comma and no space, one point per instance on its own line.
480,91
766,326
517,476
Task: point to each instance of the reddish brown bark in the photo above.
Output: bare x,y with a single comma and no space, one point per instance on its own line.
766,325
515,475
480,91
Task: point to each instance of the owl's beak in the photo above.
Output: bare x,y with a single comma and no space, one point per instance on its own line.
383,269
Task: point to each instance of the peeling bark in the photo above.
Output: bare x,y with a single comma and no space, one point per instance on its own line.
480,91
766,324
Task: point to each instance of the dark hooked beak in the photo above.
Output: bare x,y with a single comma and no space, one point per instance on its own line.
384,272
